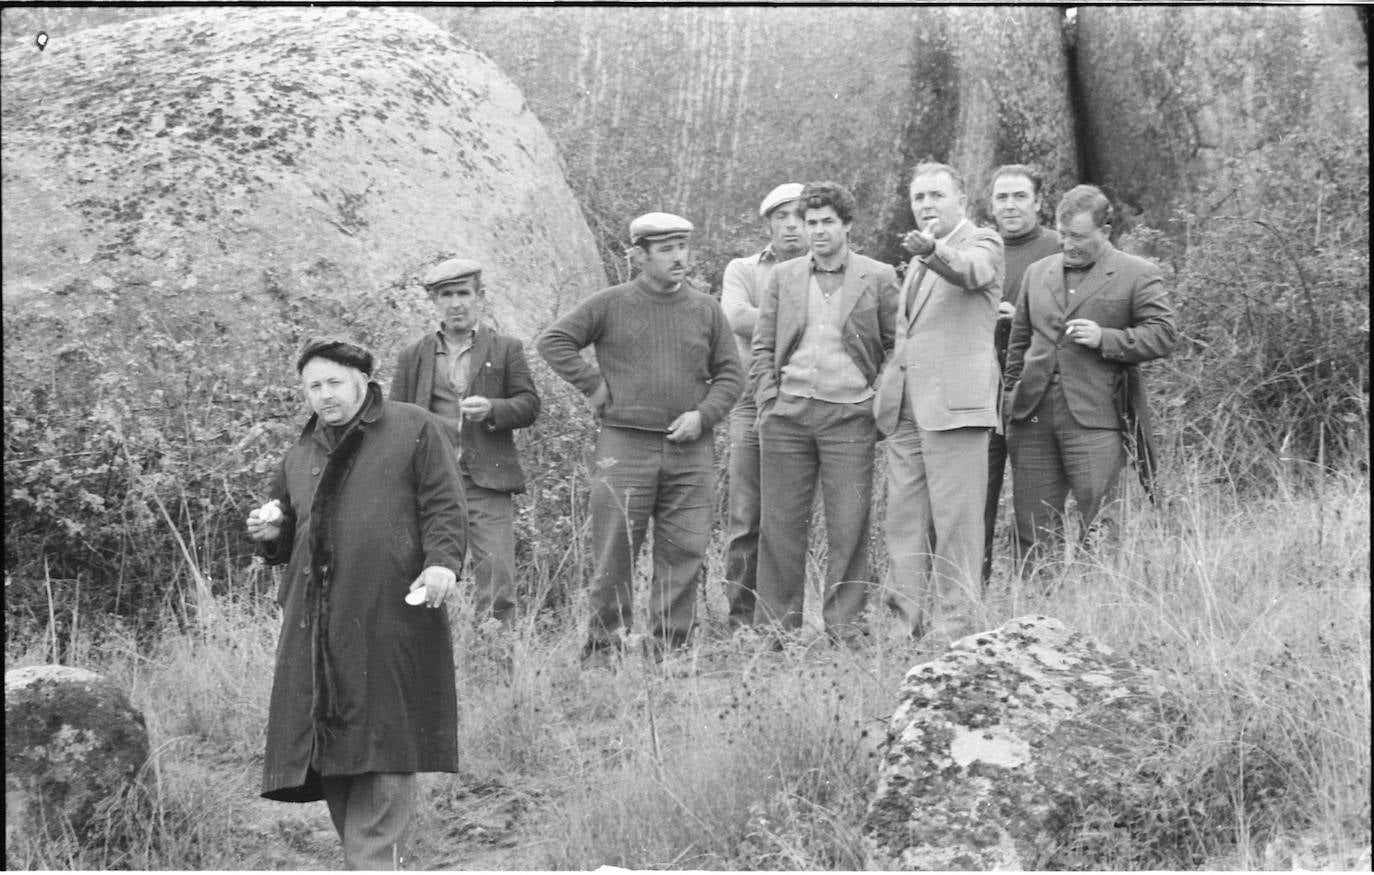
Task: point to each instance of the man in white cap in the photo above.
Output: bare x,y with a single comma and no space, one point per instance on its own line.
478,383
666,372
741,292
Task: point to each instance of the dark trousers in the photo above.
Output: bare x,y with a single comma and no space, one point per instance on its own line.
372,814
997,466
639,476
742,528
1052,456
491,546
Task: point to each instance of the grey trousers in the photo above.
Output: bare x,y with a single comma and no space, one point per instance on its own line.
372,813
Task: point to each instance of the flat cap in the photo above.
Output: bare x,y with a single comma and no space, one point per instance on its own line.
658,226
450,270
336,349
788,191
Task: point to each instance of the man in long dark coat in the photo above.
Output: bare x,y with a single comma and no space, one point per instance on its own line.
368,511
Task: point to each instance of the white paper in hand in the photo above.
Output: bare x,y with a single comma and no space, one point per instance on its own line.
416,596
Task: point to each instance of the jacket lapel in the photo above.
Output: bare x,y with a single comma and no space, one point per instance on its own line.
852,289
928,277
424,380
479,356
1094,282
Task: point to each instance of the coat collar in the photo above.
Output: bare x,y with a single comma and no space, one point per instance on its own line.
371,412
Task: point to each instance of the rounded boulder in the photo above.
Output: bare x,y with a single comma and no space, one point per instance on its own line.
72,743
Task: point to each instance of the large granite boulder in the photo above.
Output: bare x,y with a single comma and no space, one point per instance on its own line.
312,161
73,744
1184,105
1002,753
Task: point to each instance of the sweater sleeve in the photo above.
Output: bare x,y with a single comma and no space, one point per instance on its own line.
727,378
562,343
737,298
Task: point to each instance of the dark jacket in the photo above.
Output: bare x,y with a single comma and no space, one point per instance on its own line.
1122,293
364,682
499,372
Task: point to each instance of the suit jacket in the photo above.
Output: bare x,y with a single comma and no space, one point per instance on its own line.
500,372
1123,294
945,359
868,297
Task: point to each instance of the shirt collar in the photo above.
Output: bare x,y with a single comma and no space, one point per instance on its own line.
444,341
815,268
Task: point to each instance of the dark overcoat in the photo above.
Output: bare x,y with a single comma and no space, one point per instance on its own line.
364,682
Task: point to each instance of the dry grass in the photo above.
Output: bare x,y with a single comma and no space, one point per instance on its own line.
738,757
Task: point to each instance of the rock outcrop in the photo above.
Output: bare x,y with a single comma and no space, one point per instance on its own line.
72,744
1183,104
229,155
1003,751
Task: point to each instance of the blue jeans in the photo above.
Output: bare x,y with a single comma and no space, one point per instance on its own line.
640,475
805,441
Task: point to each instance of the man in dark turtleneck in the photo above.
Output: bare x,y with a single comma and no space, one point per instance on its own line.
1016,210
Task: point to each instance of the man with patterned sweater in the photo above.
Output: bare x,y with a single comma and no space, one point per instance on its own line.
666,372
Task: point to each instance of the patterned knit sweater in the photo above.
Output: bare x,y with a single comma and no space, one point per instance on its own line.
659,354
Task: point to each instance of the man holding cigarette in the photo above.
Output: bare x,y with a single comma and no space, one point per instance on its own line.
367,512
478,383
936,404
1086,318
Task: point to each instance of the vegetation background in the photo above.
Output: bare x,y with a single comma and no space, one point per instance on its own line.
132,455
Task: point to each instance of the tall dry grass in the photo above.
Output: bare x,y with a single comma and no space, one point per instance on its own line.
738,757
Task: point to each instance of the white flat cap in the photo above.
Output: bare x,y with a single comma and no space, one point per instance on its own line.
658,226
788,191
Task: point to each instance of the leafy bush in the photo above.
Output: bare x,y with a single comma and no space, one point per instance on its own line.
1273,307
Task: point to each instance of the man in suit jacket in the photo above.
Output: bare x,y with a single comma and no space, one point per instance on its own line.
937,403
1082,318
479,385
825,327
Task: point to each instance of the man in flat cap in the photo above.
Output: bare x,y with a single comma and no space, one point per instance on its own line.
367,512
478,383
825,328
666,373
741,292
